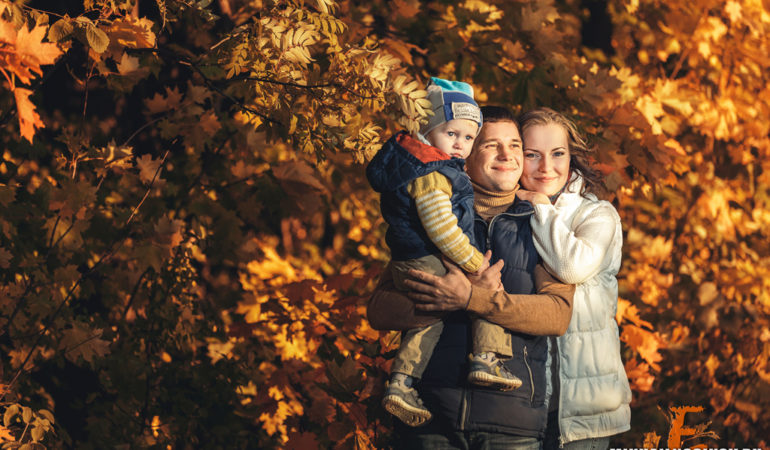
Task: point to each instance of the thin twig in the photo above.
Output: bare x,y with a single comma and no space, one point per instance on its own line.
134,292
142,128
149,189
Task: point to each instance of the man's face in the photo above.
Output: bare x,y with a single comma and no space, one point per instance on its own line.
495,163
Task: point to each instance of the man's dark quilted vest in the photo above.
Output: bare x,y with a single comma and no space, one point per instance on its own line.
390,173
522,412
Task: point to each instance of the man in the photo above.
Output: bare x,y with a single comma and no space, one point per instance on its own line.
466,416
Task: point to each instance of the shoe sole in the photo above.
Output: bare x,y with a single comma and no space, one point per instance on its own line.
487,380
407,413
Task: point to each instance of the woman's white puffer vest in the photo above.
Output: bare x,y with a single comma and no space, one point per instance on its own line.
580,240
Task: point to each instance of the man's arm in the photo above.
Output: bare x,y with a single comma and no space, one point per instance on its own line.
391,309
546,313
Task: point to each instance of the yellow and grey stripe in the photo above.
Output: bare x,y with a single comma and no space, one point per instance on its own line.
432,194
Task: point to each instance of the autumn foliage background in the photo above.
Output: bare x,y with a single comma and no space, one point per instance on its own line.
187,238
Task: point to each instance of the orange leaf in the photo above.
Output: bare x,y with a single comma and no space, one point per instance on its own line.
169,232
644,342
651,440
28,118
5,259
302,441
24,52
6,435
81,341
159,103
148,166
406,8
639,375
631,313
130,32
30,45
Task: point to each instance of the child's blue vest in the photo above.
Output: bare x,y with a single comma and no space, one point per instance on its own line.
390,172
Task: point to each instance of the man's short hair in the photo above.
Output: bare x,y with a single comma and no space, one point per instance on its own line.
500,114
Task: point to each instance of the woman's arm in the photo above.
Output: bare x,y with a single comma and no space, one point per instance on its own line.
574,252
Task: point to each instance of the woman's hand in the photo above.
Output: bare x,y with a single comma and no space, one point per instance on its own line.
433,293
533,197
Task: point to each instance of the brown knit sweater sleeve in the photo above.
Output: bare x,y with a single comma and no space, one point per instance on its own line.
391,309
545,314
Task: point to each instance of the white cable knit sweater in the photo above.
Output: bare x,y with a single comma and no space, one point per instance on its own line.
580,240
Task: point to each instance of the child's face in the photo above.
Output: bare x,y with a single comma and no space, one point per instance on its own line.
455,137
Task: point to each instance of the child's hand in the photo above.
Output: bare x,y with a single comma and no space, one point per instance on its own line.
533,197
484,264
488,276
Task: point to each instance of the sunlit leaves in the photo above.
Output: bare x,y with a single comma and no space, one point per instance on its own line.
194,232
24,53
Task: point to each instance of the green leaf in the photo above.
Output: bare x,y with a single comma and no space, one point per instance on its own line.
97,39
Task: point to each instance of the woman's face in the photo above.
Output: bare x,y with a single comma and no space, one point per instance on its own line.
546,158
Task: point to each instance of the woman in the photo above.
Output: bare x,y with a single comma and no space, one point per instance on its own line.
579,239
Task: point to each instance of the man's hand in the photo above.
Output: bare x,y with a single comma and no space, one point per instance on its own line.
432,293
533,197
490,277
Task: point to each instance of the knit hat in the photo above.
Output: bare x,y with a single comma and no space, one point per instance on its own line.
450,100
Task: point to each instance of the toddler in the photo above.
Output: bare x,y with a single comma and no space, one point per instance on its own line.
427,201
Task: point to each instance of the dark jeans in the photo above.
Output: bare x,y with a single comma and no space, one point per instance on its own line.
435,437
551,441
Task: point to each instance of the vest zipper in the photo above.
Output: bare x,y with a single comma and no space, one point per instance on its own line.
491,222
557,363
531,378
